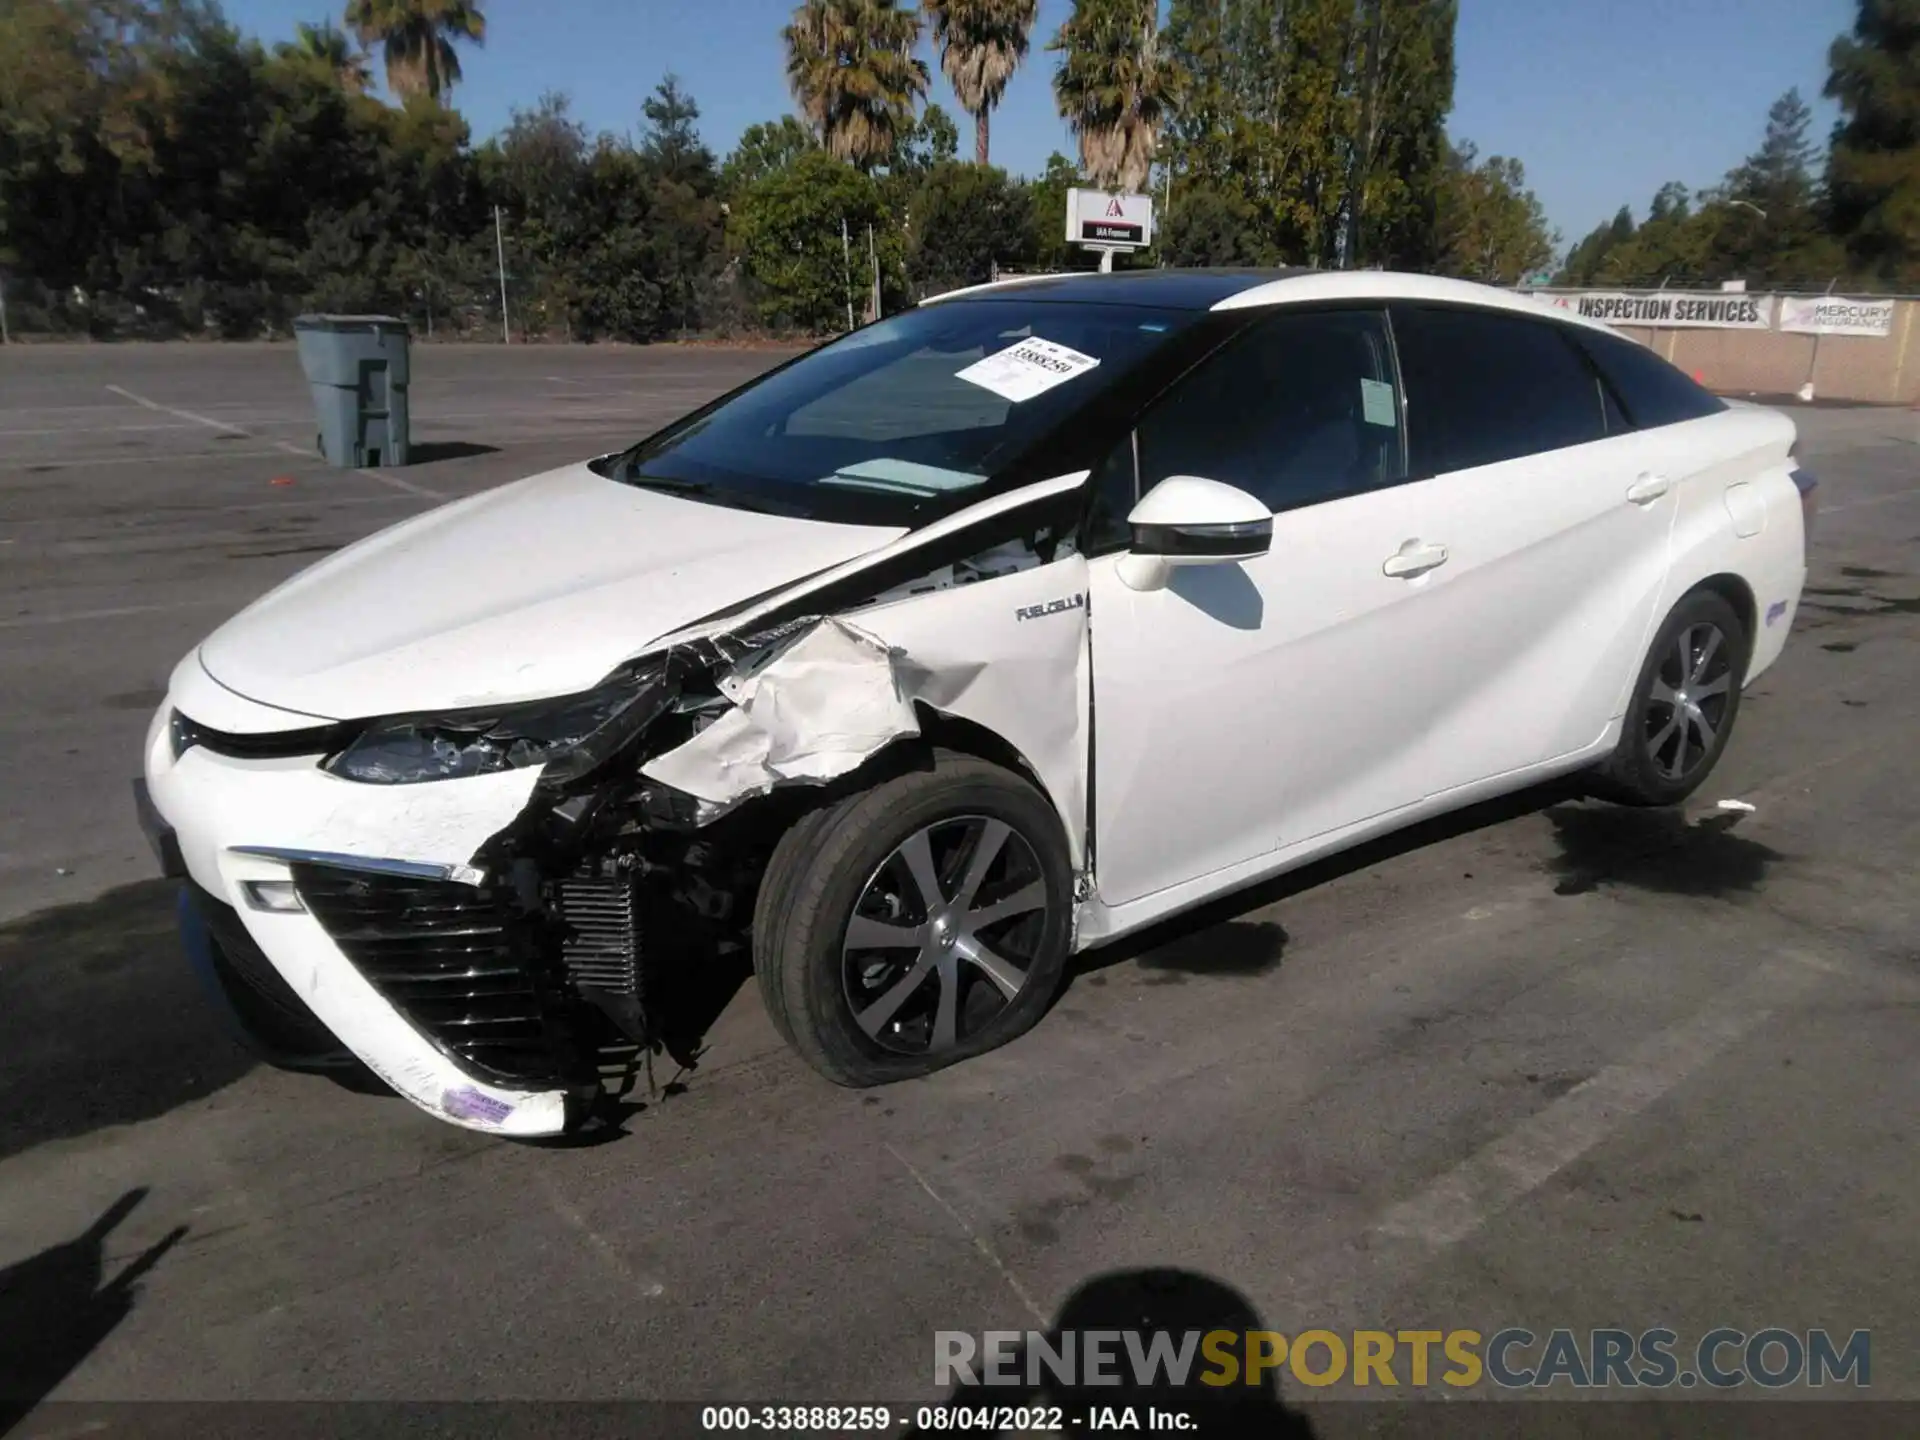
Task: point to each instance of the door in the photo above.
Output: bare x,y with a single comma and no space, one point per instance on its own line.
1558,516
1245,706
1460,585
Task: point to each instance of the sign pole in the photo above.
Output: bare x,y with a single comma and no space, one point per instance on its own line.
846,271
500,256
1106,262
1813,361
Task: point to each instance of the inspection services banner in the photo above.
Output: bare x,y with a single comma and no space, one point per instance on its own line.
1835,315
1670,309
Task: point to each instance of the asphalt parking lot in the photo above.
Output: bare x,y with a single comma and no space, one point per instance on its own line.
1545,1064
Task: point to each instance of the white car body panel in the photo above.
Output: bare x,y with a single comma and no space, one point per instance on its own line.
1235,722
567,573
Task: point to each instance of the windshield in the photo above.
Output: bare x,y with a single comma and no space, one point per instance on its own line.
913,412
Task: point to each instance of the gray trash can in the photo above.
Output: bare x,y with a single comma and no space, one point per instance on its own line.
357,366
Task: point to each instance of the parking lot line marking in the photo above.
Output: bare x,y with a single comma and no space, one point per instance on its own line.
27,622
136,459
394,480
182,414
987,1252
1539,1147
284,445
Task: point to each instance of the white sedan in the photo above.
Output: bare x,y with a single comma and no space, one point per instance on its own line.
973,639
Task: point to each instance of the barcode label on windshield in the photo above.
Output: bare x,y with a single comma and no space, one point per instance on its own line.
1026,368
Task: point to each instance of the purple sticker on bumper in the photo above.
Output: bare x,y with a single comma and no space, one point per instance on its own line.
469,1104
1776,610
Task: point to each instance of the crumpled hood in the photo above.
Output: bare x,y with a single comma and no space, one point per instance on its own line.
537,588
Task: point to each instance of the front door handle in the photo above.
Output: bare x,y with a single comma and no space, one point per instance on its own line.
1648,488
1414,558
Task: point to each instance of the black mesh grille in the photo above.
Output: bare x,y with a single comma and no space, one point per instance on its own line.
456,960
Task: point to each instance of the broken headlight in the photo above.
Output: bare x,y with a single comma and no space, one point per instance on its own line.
569,734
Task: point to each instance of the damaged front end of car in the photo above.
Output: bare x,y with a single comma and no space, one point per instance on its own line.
582,939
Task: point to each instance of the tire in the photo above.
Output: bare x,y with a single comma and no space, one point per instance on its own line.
945,979
1666,750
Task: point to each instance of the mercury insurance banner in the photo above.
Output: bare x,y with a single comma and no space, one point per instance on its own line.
1670,310
1835,315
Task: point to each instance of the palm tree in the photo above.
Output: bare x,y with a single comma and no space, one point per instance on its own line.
417,37
329,46
1113,87
981,43
852,69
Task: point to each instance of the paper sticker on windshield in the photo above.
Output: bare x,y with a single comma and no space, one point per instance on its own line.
1026,368
1376,402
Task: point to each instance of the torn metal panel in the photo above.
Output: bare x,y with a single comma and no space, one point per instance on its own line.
1011,655
1008,654
911,558
810,712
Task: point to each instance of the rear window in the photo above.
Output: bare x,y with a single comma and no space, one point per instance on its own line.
1483,387
1652,391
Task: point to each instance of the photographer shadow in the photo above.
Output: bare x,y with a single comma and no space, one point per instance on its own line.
1145,1301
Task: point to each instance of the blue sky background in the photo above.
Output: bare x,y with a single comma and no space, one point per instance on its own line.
1601,102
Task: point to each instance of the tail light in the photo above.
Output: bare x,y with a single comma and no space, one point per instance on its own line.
1805,483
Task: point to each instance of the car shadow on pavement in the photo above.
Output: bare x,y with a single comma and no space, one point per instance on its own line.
102,1020
431,451
1217,939
54,1308
1659,850
1144,1301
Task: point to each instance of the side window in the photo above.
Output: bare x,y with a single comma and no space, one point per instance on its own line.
1654,392
1299,408
1484,387
1115,491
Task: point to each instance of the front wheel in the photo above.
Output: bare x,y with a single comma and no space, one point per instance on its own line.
917,923
1683,706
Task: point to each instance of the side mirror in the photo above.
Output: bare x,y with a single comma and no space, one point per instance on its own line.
1187,520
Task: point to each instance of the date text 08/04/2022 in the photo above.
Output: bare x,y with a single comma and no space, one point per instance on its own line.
988,1419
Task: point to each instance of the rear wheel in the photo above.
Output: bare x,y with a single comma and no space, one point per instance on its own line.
1683,706
915,924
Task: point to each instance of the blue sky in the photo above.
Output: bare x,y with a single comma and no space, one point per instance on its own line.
1601,102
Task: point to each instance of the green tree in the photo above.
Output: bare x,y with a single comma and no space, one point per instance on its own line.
672,139
931,140
968,220
1209,224
852,70
1583,261
1047,211
1873,168
681,214
1491,226
981,44
333,52
1402,85
417,39
763,148
787,230
1113,87
1320,114
1765,222
1672,246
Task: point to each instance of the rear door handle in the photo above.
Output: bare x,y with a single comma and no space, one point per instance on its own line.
1414,558
1648,488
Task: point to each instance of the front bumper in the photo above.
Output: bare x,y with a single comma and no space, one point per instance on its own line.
384,878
